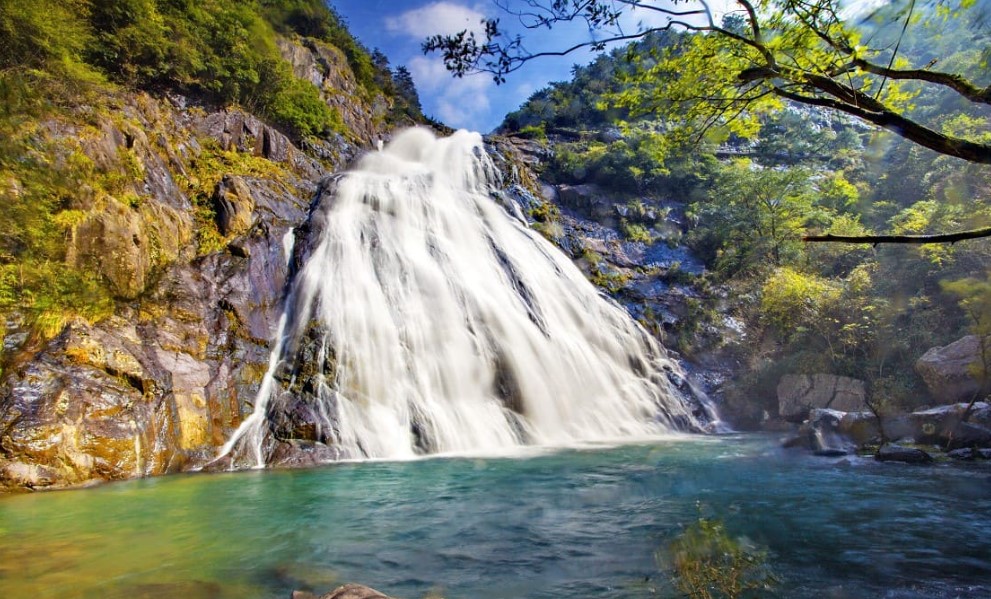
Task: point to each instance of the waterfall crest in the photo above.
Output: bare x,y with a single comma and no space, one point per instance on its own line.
426,319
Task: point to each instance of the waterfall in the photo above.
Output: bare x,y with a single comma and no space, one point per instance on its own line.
426,319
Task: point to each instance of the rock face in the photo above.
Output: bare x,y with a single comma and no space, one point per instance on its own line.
156,388
327,68
948,371
161,384
799,393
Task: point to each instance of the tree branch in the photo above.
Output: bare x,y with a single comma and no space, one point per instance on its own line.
915,239
896,123
955,82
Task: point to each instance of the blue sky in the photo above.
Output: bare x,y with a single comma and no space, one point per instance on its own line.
397,28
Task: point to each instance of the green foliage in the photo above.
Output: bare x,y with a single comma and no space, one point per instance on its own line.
297,103
708,563
43,34
601,274
754,218
635,232
792,301
635,162
223,49
537,132
207,169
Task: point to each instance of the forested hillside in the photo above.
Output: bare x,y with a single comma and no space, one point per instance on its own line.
69,68
751,189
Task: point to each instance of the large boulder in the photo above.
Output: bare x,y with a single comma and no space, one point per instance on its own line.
800,393
949,371
943,426
823,434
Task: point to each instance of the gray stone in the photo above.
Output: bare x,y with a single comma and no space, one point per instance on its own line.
589,200
948,371
800,393
354,591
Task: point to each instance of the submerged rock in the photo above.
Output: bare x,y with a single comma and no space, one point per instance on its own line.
897,453
964,454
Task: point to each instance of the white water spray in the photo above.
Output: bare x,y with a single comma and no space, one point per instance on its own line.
445,325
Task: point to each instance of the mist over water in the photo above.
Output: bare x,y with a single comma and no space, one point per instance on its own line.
444,324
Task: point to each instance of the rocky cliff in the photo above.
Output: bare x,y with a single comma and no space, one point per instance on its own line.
192,241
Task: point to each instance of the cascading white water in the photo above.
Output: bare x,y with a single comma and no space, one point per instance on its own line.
454,327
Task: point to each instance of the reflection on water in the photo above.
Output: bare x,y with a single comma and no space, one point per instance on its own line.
575,523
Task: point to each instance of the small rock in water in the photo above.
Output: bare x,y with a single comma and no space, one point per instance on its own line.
348,591
897,453
965,453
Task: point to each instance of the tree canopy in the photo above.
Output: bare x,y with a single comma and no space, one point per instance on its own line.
764,52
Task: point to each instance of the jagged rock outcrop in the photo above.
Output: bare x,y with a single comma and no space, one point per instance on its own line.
951,371
327,68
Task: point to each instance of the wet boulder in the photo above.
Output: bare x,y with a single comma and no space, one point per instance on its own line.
908,455
861,428
822,434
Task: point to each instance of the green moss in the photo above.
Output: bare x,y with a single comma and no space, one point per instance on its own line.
207,169
537,132
635,232
599,274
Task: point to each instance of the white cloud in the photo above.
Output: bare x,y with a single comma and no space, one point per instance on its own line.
457,102
643,18
444,18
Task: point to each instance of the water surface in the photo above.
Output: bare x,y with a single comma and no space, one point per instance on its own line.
569,523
